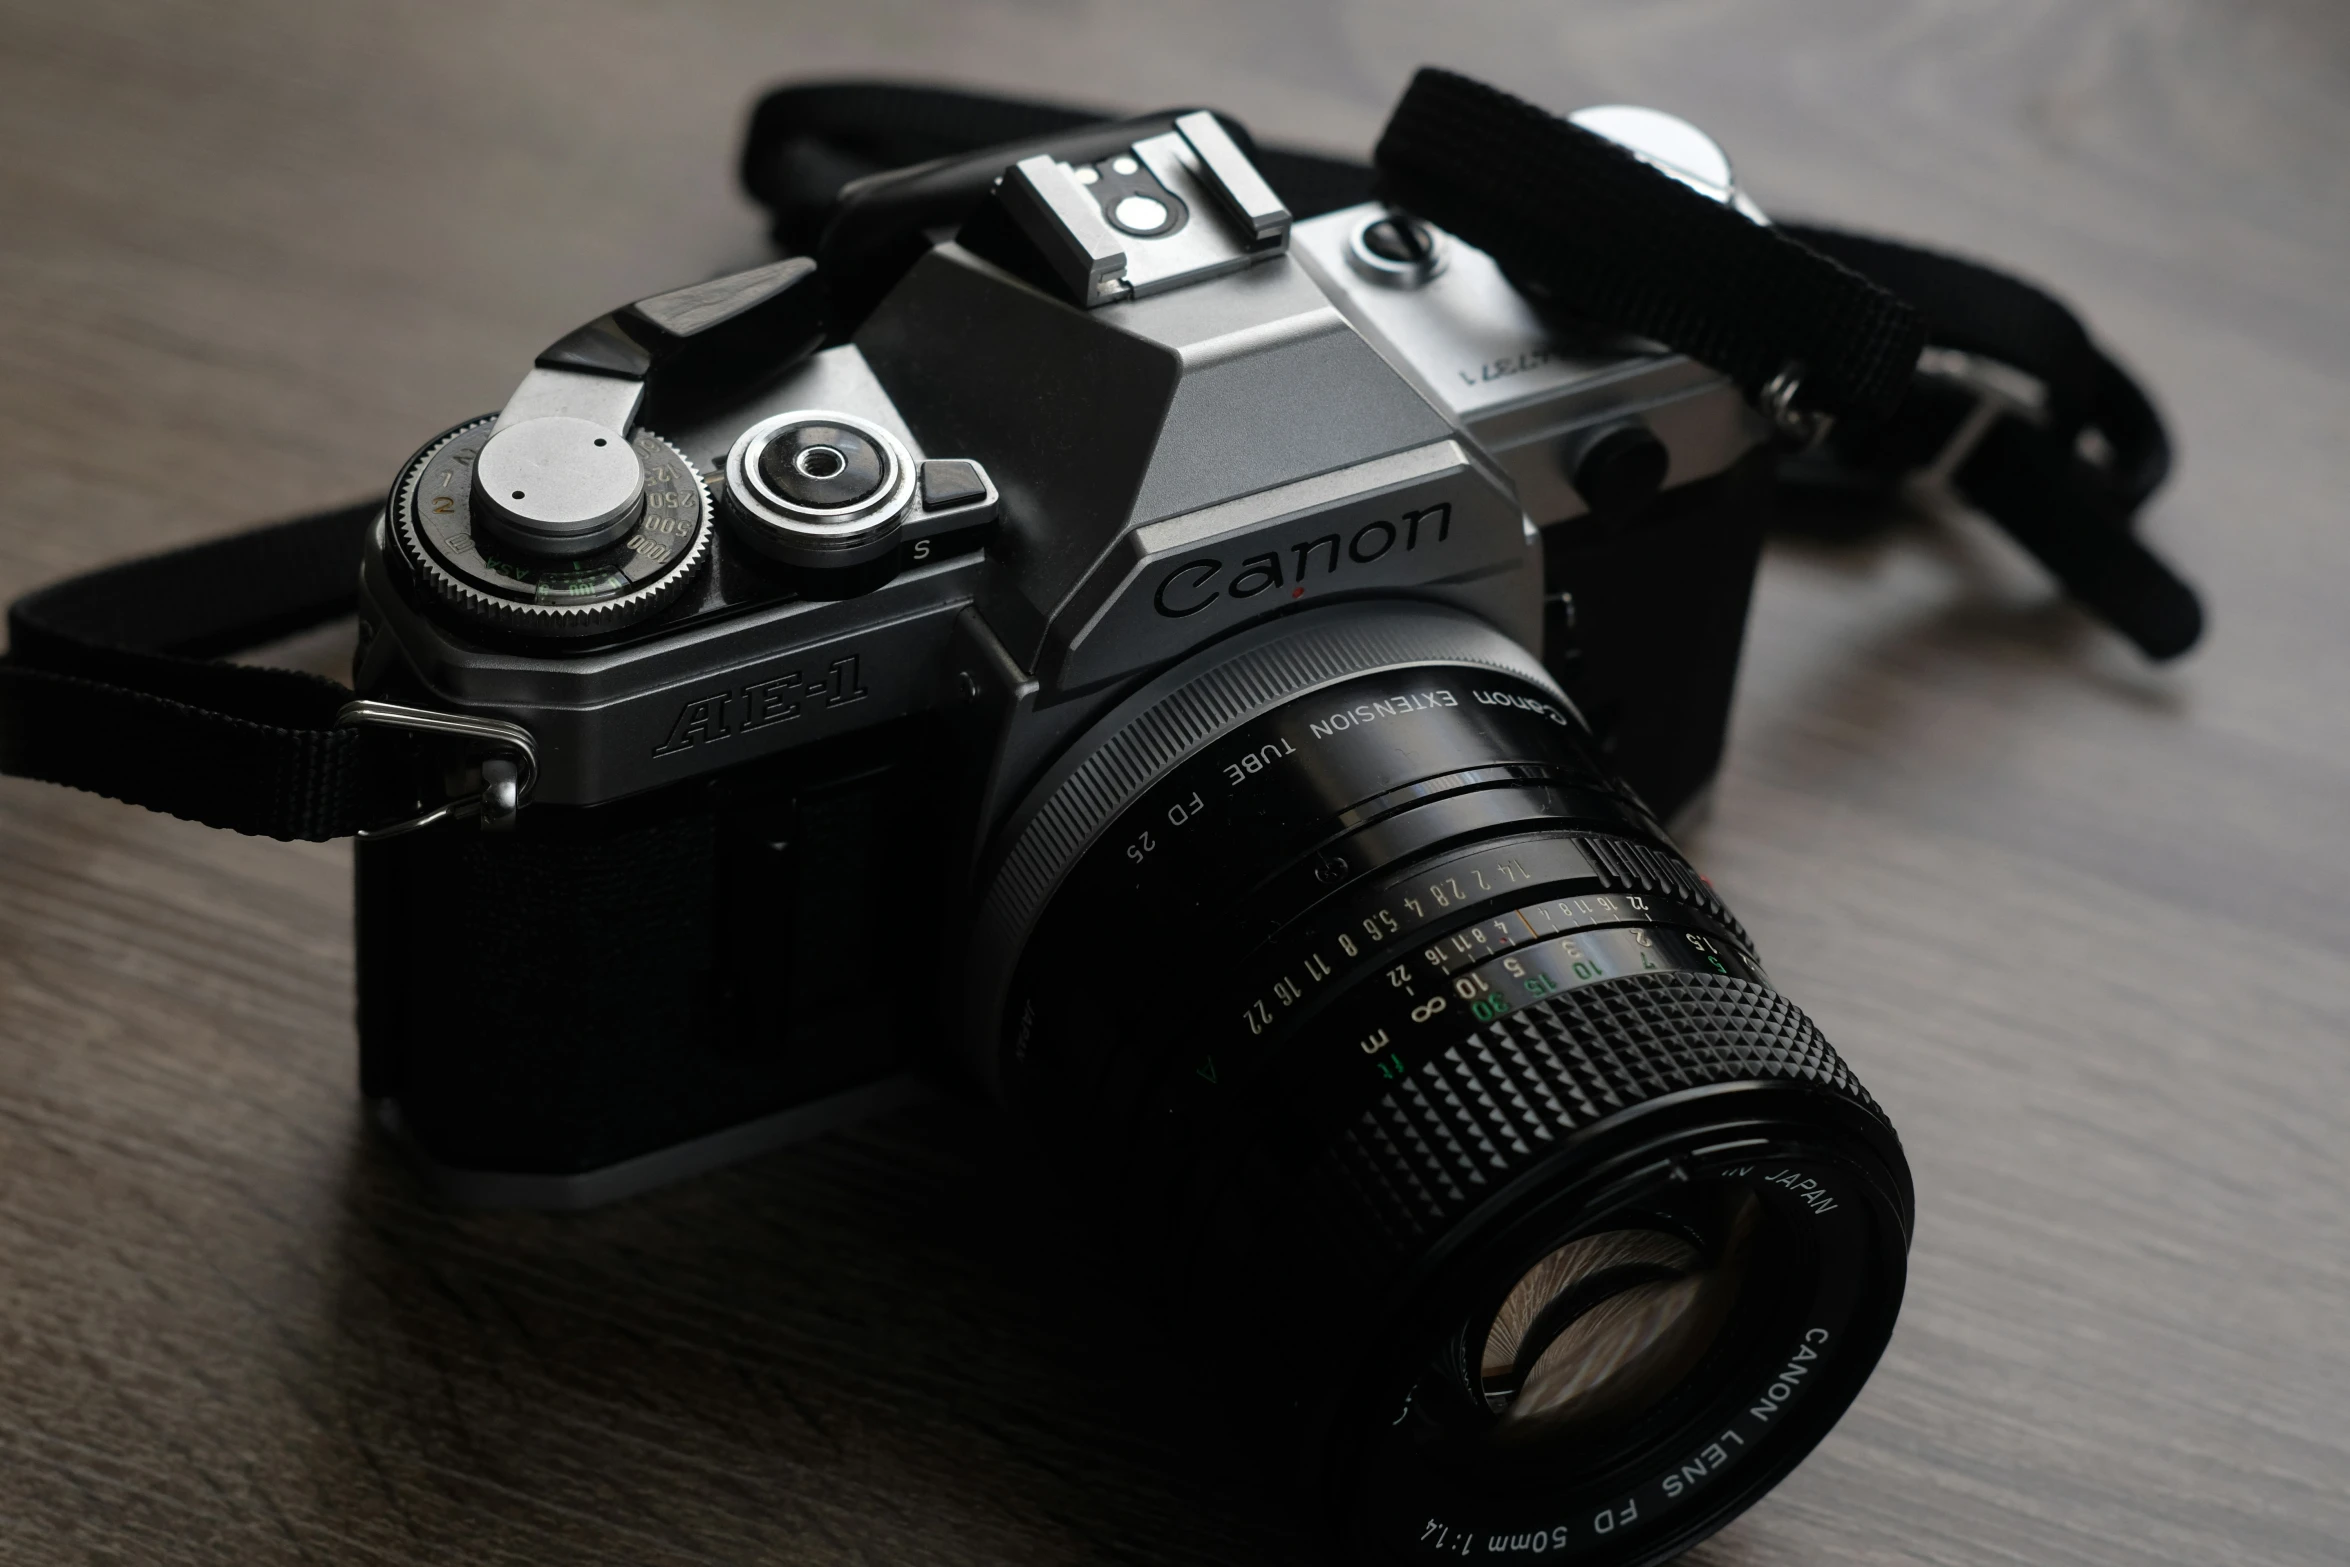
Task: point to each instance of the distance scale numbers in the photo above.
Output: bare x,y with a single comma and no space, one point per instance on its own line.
1384,1029
1417,995
1407,930
1390,924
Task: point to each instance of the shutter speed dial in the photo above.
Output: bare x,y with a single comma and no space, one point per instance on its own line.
599,535
558,486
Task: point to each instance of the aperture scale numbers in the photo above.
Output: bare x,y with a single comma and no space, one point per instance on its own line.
1466,975
1431,997
1512,981
1381,930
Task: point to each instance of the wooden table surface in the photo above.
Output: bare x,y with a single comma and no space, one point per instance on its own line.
2080,923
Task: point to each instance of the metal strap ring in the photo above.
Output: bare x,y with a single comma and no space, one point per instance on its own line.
501,799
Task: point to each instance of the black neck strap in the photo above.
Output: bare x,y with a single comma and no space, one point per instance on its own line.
2064,480
111,683
1576,220
113,680
1815,321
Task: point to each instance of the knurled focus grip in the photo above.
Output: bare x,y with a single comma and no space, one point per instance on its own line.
1475,1116
1617,241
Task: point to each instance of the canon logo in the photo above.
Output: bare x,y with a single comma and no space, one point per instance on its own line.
1193,585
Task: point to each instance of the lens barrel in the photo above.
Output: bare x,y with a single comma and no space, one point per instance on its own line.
1439,1084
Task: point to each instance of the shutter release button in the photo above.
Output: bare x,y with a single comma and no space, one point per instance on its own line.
822,466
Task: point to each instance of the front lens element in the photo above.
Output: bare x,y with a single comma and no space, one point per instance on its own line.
1603,1328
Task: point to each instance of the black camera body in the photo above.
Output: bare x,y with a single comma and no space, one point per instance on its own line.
732,912
1140,669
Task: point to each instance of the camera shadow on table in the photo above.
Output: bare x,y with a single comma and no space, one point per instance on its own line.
851,1350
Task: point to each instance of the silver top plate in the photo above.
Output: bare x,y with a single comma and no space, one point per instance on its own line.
1523,390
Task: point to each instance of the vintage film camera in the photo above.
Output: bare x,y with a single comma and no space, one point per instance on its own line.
1213,681
1255,420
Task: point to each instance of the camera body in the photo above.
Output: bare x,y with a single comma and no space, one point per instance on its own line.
792,678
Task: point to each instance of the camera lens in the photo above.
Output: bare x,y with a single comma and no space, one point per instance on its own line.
1440,1092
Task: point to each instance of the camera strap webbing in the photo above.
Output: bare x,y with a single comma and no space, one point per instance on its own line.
1576,220
114,680
1814,320
113,683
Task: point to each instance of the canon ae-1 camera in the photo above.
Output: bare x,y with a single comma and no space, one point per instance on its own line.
1214,681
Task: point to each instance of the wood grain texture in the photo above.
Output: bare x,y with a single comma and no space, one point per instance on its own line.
2079,924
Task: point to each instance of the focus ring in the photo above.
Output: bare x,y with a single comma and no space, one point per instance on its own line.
1471,1119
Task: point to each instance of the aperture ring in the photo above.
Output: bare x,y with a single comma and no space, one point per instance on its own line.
1403,939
